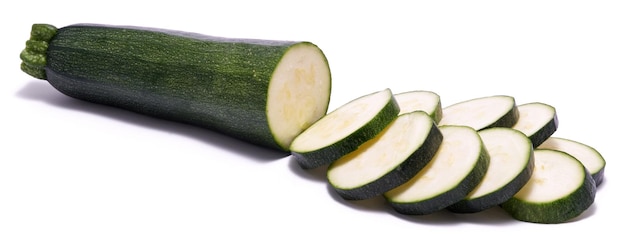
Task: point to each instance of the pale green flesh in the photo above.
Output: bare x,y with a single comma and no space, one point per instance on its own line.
456,158
533,116
379,156
341,122
477,113
556,175
588,156
298,93
411,101
509,151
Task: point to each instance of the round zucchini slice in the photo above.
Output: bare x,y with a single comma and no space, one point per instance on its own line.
420,100
559,190
537,120
344,129
458,166
482,113
388,160
589,156
510,168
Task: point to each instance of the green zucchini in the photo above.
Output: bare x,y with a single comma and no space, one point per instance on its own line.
587,155
482,113
510,167
344,129
420,100
262,91
388,160
560,189
537,120
458,166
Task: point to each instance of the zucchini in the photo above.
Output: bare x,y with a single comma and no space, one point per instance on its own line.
587,155
559,190
458,166
388,160
511,166
537,120
420,100
344,129
482,113
262,91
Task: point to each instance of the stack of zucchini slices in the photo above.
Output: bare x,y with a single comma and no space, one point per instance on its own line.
465,158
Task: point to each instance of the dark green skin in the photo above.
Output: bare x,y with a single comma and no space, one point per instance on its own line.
438,114
598,177
450,197
498,197
331,153
212,82
555,212
401,174
507,120
545,132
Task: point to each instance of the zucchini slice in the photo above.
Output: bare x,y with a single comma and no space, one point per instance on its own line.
388,160
510,168
537,120
458,166
559,190
587,155
344,129
262,91
419,100
482,113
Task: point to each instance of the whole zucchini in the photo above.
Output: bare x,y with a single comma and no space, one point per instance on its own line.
265,92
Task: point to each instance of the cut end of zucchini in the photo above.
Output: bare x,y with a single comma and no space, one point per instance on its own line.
34,55
299,92
426,101
393,157
344,129
559,190
537,120
482,113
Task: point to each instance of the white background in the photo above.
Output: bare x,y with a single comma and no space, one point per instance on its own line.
78,174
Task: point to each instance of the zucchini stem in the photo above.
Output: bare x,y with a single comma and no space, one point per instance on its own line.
34,55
